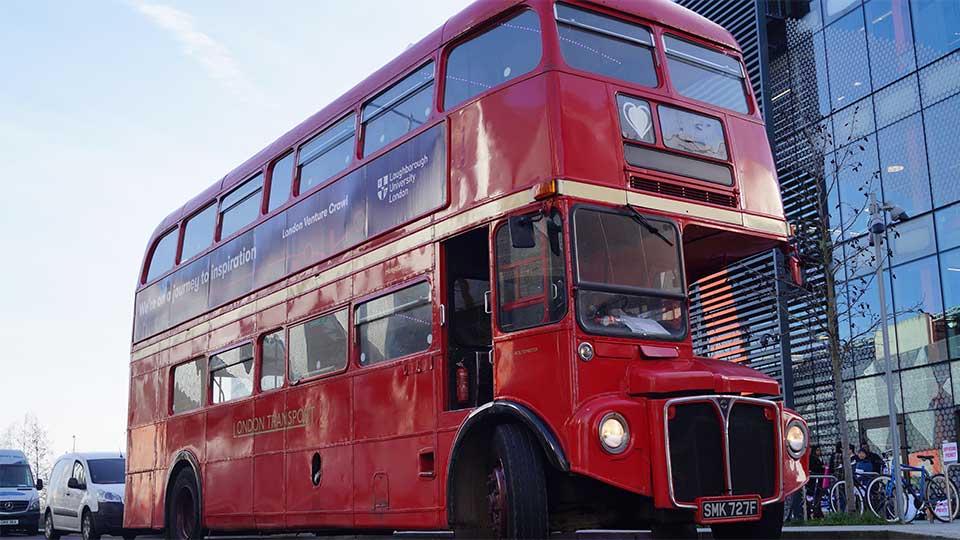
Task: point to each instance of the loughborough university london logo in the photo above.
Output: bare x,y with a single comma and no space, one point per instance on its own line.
383,186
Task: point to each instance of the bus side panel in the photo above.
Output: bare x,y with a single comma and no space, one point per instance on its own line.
500,143
139,501
228,471
543,364
268,463
759,188
395,416
324,406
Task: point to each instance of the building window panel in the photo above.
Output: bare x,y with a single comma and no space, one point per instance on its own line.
903,165
872,396
853,123
916,297
948,227
891,40
943,146
938,21
857,175
897,101
912,239
940,80
950,324
846,58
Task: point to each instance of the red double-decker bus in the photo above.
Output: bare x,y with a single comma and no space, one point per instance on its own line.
457,297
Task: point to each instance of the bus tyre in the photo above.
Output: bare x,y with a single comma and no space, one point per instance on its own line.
88,528
48,531
516,485
183,510
768,527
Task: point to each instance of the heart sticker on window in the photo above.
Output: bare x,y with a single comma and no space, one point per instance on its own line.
638,116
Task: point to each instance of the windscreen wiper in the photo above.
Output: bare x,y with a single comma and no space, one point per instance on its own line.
638,217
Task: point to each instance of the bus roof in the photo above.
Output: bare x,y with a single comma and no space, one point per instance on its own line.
662,12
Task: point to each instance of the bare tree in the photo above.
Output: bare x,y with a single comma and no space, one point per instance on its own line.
32,439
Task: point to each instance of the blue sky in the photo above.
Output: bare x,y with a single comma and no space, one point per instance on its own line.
113,114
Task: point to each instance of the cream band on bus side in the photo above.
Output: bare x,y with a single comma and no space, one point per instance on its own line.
426,232
278,421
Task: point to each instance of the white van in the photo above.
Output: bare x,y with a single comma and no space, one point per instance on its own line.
19,499
85,495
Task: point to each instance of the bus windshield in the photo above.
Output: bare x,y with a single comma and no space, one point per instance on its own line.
629,276
14,476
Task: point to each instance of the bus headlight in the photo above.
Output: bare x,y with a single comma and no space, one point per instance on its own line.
614,433
796,439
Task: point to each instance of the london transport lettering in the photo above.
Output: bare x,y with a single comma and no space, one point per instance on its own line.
277,421
403,184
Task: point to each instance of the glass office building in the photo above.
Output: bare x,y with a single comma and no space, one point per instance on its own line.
882,78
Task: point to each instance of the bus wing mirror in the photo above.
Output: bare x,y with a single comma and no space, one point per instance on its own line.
521,232
796,270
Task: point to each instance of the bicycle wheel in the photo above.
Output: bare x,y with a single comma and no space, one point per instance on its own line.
838,501
880,498
939,494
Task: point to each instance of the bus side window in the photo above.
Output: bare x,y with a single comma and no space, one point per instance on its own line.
398,110
231,374
164,253
198,232
273,351
281,182
319,346
395,325
187,386
241,206
504,52
531,287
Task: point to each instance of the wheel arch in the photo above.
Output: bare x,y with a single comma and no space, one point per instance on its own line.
182,460
472,441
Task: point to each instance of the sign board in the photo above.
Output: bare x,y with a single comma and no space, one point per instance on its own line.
949,452
396,188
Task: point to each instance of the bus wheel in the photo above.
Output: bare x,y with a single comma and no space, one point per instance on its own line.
183,515
516,486
769,526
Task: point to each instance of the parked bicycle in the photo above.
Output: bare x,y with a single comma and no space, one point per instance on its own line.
861,480
922,492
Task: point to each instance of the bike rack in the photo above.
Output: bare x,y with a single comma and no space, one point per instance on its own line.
804,495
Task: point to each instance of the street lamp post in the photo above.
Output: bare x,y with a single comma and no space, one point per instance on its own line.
877,229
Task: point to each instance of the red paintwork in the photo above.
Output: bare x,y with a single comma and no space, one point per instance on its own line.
376,427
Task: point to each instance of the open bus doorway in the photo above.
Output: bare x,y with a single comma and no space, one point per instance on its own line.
469,325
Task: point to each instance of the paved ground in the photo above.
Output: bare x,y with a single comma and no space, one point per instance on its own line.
933,531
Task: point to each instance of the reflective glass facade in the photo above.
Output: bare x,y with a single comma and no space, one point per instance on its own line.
882,77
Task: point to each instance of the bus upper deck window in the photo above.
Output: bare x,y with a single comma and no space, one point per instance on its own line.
198,232
398,110
281,180
508,50
241,206
326,154
163,255
706,75
605,45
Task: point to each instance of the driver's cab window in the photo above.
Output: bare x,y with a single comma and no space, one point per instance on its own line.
531,289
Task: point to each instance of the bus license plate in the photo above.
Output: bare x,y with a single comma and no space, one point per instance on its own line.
9,522
721,509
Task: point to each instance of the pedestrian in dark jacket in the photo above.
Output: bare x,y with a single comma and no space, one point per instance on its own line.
814,487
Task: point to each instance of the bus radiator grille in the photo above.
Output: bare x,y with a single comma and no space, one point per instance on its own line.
752,452
696,452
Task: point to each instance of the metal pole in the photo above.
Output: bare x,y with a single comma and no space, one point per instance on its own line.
876,214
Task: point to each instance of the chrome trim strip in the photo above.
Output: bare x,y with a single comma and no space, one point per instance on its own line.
715,401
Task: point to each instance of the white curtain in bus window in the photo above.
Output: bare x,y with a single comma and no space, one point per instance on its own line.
319,346
397,111
691,132
395,325
273,351
231,374
327,154
706,75
187,386
504,52
605,45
